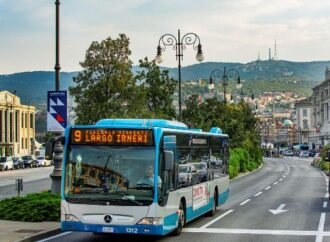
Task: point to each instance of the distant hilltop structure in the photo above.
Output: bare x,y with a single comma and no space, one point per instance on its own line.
270,56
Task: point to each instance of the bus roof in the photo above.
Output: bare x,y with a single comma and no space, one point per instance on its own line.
151,123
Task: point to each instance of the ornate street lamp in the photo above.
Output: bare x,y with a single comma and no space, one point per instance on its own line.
244,91
225,76
179,44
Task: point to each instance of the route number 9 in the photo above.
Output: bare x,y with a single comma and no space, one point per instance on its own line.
77,136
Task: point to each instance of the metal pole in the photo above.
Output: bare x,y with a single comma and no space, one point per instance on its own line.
57,51
179,44
57,172
224,84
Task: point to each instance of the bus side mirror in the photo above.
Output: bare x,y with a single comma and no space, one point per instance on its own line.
169,160
50,146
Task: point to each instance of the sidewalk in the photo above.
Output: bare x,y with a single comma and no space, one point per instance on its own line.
19,231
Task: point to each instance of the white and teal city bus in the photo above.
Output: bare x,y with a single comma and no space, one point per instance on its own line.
134,176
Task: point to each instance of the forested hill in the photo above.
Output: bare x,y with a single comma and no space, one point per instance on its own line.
32,87
260,70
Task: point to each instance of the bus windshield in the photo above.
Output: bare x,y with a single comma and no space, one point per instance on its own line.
115,175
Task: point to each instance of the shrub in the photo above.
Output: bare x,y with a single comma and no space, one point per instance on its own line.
35,207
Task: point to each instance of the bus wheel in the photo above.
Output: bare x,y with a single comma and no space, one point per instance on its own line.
215,204
181,220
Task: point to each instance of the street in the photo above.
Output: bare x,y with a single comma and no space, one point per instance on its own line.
285,200
34,180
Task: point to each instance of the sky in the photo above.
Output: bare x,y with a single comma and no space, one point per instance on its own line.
229,30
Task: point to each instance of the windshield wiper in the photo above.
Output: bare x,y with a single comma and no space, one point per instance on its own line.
126,196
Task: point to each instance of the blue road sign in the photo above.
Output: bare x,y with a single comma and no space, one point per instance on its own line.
57,111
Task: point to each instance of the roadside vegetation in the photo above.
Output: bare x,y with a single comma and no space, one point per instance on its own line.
322,162
107,88
35,207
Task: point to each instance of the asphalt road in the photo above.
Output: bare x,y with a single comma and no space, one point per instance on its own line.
34,180
286,200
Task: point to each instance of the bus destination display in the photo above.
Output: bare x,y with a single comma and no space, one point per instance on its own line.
111,137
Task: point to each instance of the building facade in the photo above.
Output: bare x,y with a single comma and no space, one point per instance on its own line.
321,102
17,126
305,122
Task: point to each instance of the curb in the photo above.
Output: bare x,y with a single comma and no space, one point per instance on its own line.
248,173
40,235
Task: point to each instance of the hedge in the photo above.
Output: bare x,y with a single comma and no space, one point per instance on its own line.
35,207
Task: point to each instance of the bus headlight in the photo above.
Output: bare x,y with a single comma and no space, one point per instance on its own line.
71,218
151,221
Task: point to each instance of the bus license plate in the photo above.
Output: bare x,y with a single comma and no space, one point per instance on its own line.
107,229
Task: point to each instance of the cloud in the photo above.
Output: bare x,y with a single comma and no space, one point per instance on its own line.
229,30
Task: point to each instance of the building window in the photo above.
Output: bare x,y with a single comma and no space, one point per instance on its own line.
22,143
305,124
26,116
1,118
304,112
26,143
16,126
31,120
6,128
11,136
22,120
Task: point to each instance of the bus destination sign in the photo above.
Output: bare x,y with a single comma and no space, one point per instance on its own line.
111,137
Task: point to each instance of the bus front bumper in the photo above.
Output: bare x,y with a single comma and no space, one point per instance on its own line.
114,229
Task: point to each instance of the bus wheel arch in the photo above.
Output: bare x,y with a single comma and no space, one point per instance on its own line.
182,216
212,212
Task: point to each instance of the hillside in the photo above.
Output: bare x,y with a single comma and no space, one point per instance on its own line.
32,87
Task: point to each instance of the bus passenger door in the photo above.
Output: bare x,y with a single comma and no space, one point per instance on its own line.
170,179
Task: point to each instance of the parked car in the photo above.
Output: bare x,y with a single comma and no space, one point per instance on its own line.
18,163
42,161
30,161
312,153
187,175
289,153
203,171
6,163
304,154
216,161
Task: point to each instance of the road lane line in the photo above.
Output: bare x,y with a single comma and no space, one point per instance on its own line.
326,195
268,187
246,201
280,180
216,219
55,236
319,238
325,204
256,195
256,231
275,183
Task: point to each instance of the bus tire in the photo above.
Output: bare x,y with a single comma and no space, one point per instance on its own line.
181,220
215,204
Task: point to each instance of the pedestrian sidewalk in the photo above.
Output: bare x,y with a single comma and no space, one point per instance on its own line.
22,231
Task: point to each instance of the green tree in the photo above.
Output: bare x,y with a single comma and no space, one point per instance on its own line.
158,89
105,88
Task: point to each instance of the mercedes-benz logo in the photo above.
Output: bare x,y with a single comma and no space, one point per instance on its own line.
107,218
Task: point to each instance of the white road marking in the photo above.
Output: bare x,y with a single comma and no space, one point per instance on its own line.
280,180
256,231
278,210
246,201
275,183
326,195
325,204
319,238
268,187
256,195
55,236
216,219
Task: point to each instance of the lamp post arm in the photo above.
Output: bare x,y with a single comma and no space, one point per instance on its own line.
217,74
190,39
167,40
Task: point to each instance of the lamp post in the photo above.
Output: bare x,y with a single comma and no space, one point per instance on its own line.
224,75
244,91
179,44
